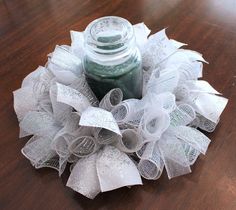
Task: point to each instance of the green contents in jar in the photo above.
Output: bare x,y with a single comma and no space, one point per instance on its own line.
126,76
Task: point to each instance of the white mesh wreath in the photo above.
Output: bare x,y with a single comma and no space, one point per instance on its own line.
113,143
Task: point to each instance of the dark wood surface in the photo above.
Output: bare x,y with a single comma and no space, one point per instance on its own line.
29,30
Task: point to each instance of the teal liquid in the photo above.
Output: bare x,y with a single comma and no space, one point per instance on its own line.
126,76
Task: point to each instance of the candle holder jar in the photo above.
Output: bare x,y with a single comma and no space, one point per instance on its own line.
112,59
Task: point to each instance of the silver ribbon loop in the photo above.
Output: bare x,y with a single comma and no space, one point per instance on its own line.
72,98
203,103
22,106
118,168
99,118
83,178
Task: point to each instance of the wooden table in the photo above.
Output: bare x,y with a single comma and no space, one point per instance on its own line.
29,30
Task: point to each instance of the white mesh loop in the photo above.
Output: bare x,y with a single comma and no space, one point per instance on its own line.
129,112
173,156
181,92
190,153
111,99
83,146
193,137
151,165
207,125
40,124
38,150
153,124
61,143
130,141
184,114
53,163
104,136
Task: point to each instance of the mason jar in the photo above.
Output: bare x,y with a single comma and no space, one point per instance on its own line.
112,59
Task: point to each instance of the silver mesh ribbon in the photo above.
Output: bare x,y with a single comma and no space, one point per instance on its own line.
72,123
191,153
22,106
61,143
118,168
72,98
203,103
181,92
189,71
165,100
100,118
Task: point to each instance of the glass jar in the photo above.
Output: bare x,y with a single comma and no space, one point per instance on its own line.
112,59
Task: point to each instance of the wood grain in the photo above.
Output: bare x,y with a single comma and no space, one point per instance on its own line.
29,30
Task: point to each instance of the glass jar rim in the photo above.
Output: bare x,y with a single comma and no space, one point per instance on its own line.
126,34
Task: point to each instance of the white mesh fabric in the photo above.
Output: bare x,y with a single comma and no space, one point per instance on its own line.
130,141
111,99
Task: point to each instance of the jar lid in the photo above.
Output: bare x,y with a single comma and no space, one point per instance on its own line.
109,34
